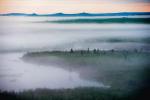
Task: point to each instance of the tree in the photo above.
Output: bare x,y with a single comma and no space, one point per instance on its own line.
94,51
71,50
88,50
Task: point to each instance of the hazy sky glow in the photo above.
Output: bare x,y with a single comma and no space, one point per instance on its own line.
73,6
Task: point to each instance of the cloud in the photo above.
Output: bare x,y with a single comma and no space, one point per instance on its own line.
122,1
131,1
126,1
148,1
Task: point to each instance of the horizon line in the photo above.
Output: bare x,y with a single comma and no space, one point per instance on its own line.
76,13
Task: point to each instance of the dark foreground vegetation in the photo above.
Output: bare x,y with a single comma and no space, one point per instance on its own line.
64,94
76,94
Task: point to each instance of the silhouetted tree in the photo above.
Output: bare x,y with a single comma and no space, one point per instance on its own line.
112,50
88,50
71,50
94,51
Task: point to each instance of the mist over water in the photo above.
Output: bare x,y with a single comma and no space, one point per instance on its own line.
20,35
23,34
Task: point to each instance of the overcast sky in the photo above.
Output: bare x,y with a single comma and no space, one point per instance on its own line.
73,6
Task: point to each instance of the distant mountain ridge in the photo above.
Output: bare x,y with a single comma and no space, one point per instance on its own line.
79,14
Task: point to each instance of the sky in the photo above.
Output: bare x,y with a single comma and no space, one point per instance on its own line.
73,6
